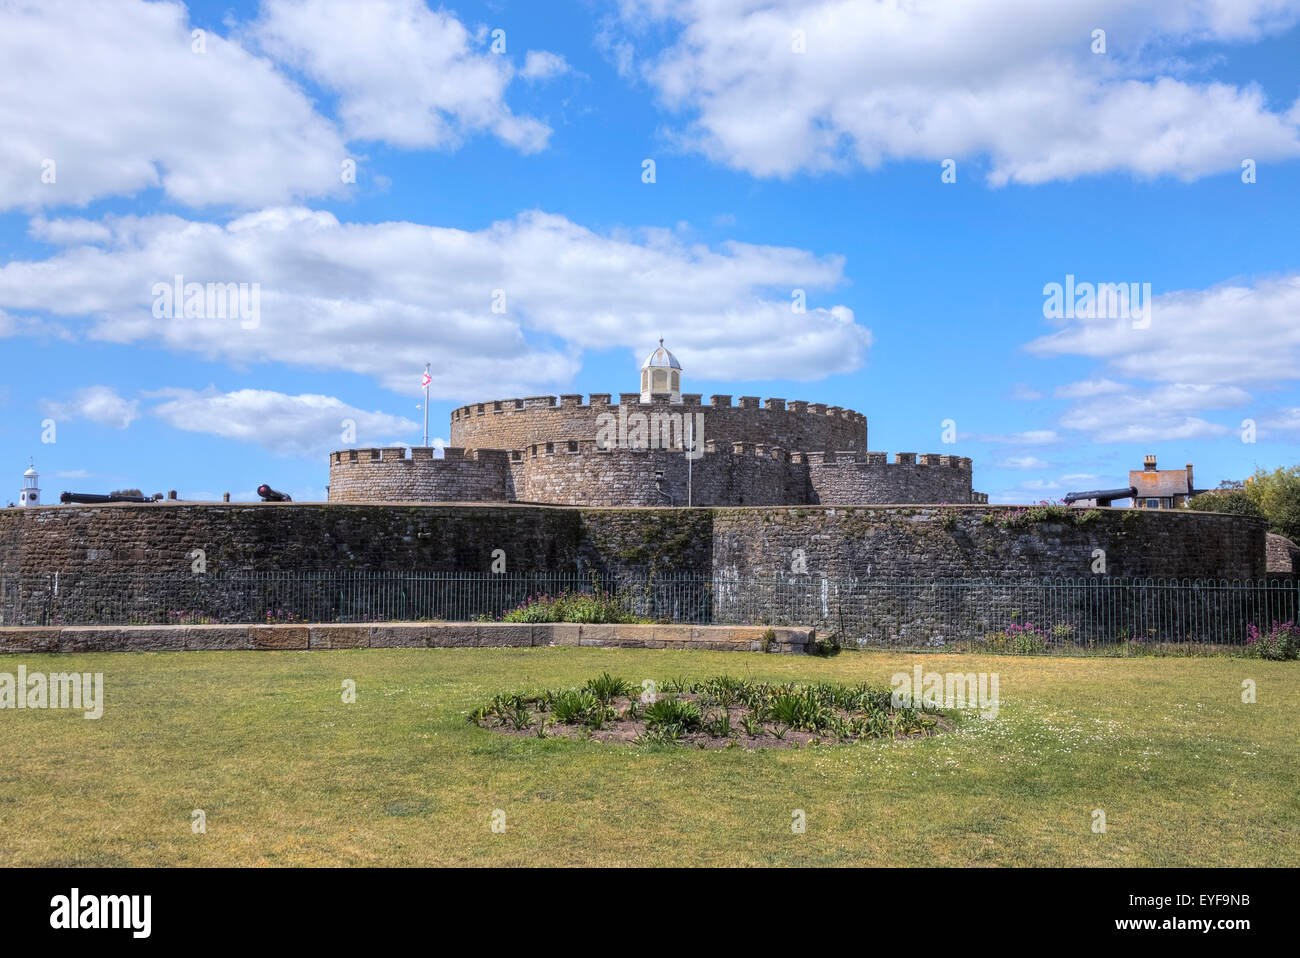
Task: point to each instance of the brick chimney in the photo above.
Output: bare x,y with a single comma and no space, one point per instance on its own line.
1190,487
1149,464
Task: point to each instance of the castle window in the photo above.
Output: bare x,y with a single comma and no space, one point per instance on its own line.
573,445
660,381
677,382
550,448
374,453
516,456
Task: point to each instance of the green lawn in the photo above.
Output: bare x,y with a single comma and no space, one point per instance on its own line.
288,774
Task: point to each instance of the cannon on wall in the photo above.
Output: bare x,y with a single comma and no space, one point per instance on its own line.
270,495
94,497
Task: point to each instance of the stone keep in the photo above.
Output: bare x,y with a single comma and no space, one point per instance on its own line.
654,447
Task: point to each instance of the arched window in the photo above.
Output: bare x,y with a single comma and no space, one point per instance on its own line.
661,381
677,382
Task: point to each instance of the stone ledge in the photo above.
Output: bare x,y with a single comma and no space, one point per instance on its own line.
399,635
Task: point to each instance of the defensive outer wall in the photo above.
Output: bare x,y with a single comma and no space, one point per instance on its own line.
105,553
901,543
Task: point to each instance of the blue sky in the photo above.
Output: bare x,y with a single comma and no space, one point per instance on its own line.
522,171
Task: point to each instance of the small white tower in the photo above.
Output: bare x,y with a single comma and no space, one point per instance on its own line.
661,373
30,495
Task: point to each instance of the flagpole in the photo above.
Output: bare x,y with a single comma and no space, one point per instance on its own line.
426,405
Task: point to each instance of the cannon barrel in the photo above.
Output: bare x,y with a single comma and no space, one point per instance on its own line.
270,495
87,498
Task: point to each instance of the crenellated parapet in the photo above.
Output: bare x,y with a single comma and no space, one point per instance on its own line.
591,472
848,477
518,423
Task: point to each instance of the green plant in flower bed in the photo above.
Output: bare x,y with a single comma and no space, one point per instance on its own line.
678,712
588,608
607,688
1279,644
702,712
1025,639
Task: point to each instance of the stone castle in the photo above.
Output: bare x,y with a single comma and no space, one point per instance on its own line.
656,447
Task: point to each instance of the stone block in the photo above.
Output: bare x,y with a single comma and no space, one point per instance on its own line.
492,635
401,636
338,636
452,636
29,640
276,637
217,638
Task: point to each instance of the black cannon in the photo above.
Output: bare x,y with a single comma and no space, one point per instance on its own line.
93,497
270,495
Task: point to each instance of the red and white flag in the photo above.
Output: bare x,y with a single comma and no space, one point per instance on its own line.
425,380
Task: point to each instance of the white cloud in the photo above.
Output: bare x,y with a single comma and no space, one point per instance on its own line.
1227,334
1021,462
1030,437
382,299
74,474
1088,389
999,80
543,65
113,94
98,404
404,74
1148,415
301,425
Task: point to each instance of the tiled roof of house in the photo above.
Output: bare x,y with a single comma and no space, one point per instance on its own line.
1159,484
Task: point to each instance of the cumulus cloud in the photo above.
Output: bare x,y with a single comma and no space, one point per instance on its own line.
542,65
113,94
302,425
382,299
98,404
403,73
1022,462
1013,85
1147,415
119,96
1233,333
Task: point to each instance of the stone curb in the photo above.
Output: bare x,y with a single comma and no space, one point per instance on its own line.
400,635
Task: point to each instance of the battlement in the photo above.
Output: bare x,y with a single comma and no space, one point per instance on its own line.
601,400
849,457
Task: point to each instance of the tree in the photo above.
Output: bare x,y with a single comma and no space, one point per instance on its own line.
1232,501
1277,493
127,492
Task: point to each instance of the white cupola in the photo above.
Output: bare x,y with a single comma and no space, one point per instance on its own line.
661,373
30,494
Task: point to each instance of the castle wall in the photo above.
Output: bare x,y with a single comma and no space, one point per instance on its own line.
582,473
387,475
911,544
518,423
848,478
579,473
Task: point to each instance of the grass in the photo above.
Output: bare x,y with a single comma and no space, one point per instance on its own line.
287,774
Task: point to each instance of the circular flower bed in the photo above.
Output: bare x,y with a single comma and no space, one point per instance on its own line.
721,712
